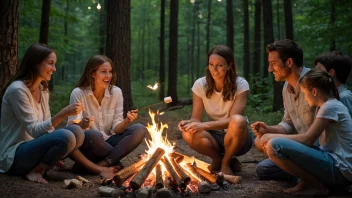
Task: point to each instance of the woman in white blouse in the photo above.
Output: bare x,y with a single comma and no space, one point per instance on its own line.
108,136
223,95
29,143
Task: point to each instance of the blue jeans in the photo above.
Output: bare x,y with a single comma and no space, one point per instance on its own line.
95,148
47,149
313,160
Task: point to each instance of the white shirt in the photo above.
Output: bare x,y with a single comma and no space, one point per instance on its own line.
215,106
336,139
22,119
107,115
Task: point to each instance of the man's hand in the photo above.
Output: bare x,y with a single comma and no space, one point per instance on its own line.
259,128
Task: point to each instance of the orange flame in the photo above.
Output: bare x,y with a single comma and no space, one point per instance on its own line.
155,87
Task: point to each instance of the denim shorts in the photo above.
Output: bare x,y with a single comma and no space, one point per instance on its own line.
219,136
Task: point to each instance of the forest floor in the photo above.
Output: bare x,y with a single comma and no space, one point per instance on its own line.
251,186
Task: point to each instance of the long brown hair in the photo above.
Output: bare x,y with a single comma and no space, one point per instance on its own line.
92,65
320,80
230,85
28,70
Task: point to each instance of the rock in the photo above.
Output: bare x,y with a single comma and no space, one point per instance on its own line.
204,187
105,191
117,193
215,187
72,183
163,192
82,179
142,193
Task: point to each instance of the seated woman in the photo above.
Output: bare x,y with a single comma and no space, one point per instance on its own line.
108,136
331,163
223,95
29,143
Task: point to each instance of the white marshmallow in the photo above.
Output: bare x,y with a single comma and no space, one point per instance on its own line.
168,99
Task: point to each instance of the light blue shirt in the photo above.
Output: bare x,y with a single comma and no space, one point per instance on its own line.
336,139
345,97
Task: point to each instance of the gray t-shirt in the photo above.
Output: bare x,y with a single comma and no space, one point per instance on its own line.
345,97
336,139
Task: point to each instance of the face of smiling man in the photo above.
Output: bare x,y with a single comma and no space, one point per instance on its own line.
280,69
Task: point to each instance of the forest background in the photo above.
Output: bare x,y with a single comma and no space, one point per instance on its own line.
166,41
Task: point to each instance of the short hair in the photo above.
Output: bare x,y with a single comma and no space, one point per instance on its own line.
341,63
287,49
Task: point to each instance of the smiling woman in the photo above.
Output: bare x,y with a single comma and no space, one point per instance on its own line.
30,144
109,138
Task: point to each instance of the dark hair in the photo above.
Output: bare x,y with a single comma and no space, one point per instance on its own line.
92,65
337,61
230,85
287,49
27,71
320,80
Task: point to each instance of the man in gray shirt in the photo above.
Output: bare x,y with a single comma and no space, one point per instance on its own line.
286,63
339,66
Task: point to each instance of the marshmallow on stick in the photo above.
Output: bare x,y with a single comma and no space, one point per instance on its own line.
167,100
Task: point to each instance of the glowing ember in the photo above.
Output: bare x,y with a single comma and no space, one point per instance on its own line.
155,87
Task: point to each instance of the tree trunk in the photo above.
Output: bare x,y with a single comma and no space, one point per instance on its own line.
229,25
44,31
162,49
208,26
118,45
172,86
246,64
102,28
269,38
278,20
332,23
8,40
288,19
257,38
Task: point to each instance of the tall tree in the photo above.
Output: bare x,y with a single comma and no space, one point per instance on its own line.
118,45
172,86
208,26
229,25
8,40
162,49
246,64
269,38
288,19
257,36
44,30
332,23
102,28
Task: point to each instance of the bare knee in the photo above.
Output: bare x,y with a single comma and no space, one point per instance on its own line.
258,145
237,126
187,137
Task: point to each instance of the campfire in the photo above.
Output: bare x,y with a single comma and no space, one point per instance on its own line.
162,167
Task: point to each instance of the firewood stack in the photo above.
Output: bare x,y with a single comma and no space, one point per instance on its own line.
181,171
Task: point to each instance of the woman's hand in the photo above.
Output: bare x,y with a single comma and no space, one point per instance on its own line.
86,122
132,115
259,128
194,127
73,109
182,124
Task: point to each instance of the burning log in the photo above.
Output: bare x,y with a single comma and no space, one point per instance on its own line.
211,178
159,183
192,169
190,159
138,180
127,172
186,179
173,173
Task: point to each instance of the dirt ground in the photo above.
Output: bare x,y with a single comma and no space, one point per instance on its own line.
251,186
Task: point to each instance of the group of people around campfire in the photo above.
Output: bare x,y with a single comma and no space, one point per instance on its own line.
311,145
